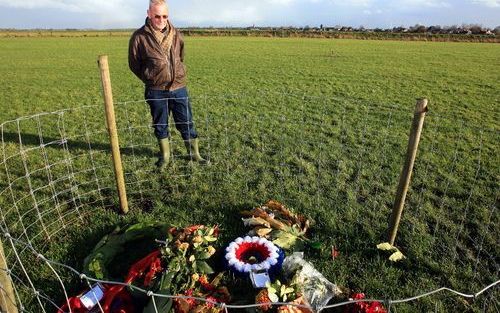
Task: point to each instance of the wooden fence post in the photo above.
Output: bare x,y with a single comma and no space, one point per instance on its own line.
404,179
7,296
113,133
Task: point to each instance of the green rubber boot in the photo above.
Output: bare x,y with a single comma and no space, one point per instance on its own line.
164,158
194,151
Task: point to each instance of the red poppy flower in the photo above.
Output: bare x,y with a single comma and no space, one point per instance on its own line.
155,268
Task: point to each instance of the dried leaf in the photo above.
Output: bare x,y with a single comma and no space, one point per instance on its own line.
255,221
262,231
385,246
396,256
247,213
335,253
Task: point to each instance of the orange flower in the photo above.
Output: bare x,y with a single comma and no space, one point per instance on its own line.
263,297
203,279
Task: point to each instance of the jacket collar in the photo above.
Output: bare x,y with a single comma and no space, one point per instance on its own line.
150,29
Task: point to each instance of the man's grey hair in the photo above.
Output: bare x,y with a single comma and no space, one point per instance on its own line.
157,2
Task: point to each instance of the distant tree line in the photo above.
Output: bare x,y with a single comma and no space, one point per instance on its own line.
464,32
464,29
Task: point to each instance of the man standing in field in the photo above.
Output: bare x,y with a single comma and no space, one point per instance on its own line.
156,55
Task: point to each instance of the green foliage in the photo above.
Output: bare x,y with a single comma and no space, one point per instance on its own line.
185,255
110,246
278,292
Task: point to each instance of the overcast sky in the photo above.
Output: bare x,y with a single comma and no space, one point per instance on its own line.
102,14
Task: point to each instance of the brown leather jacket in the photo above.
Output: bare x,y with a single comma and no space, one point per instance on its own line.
152,65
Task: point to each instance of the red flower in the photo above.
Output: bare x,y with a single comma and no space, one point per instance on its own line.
155,268
364,307
375,307
193,228
252,250
190,301
211,304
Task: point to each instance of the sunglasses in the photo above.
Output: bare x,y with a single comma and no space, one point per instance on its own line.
161,16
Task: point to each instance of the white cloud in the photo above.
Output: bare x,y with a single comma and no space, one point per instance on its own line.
131,13
88,6
228,12
225,15
108,12
373,12
285,2
352,3
415,4
488,3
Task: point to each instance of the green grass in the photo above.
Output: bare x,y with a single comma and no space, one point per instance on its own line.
334,154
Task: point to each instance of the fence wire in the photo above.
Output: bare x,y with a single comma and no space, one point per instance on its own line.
335,158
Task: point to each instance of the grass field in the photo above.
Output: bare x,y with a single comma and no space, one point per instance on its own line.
320,125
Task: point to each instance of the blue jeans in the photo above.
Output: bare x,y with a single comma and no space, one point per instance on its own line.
161,103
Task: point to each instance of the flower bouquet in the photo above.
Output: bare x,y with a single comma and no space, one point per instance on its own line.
183,270
212,291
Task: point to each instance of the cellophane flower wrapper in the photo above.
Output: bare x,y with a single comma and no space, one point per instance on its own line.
316,289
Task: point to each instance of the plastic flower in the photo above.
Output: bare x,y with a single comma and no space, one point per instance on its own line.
153,270
248,254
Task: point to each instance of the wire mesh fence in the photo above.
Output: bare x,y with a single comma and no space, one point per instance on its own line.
335,159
